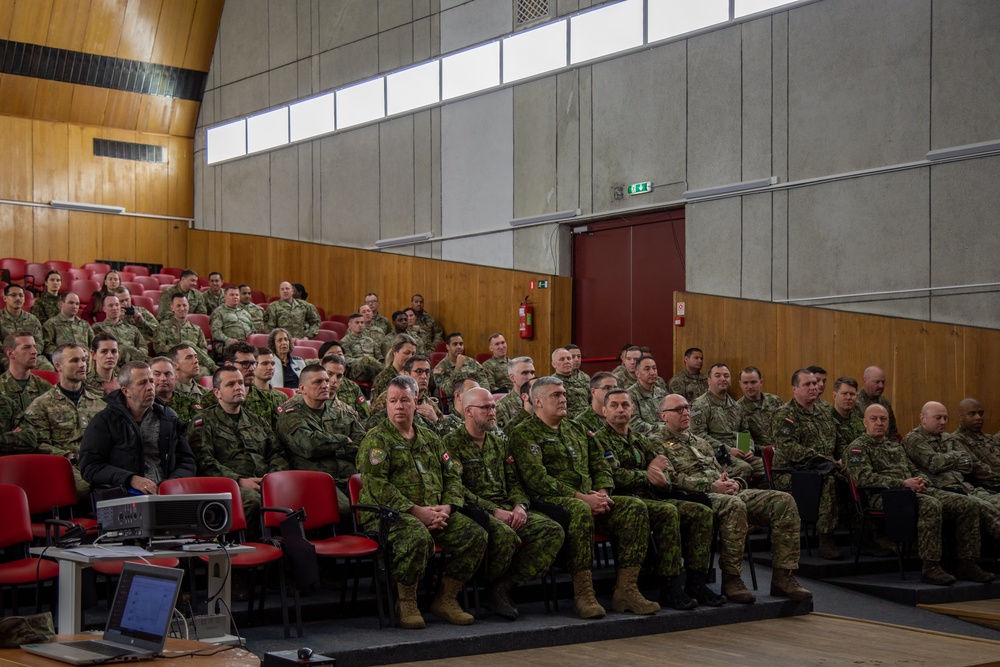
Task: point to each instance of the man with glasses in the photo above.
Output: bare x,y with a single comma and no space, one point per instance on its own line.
695,469
428,413
378,320
592,418
261,398
522,543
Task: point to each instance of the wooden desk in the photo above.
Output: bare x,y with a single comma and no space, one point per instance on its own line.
237,657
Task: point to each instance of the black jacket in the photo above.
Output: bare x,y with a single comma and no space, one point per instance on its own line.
111,452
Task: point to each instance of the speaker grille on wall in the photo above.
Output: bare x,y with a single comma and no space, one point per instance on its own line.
124,150
529,11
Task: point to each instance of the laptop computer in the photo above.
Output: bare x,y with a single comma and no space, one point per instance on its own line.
137,625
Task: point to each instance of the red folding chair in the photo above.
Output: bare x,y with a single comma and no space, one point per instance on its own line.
172,271
257,340
19,569
97,266
52,377
136,270
147,282
58,265
50,487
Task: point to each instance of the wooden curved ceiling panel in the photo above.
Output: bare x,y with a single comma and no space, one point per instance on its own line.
132,64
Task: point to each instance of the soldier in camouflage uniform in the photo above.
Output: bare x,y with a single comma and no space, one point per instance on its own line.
215,296
18,383
455,419
403,347
496,366
456,366
300,318
984,449
185,359
178,330
406,468
187,286
695,469
592,418
946,463
187,406
317,435
15,437
346,390
66,327
560,463
131,345
378,321
577,391
717,418
427,328
261,399
806,439
758,406
46,306
229,322
103,376
522,542
877,460
60,416
13,318
382,341
873,386
140,318
428,414
646,397
641,472
625,372
255,312
231,442
360,351
690,382
849,426
519,370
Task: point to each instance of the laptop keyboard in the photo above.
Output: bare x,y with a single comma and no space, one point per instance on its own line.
106,650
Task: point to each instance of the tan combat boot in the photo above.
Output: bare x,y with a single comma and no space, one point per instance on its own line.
784,584
584,600
828,548
626,596
969,570
406,608
735,590
446,605
933,573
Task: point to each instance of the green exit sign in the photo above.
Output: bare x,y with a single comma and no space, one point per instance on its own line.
543,284
640,188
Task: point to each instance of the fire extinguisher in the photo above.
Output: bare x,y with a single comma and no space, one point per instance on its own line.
525,315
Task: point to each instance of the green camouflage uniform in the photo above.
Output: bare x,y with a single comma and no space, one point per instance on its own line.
696,469
213,301
94,382
759,414
508,408
577,388
45,308
131,345
299,318
883,462
237,449
359,352
717,420
646,418
400,473
148,326
21,442
687,385
555,464
171,333
256,314
382,380
380,322
490,480
379,413
203,395
625,381
187,406
804,438
196,302
864,400
590,420
946,463
25,321
674,522
230,323
849,429
58,330
264,403
446,377
382,342
22,397
350,393
985,453
496,372
325,440
451,422
430,332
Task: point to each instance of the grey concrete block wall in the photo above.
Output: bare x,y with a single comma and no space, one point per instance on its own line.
807,94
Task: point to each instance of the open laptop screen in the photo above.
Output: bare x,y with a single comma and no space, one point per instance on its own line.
143,604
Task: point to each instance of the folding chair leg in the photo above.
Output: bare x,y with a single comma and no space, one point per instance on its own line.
753,569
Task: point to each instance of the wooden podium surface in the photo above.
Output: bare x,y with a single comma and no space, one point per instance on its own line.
233,657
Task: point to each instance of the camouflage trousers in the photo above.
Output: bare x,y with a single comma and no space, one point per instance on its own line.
763,508
680,527
82,493
989,510
413,546
525,554
935,506
627,522
365,369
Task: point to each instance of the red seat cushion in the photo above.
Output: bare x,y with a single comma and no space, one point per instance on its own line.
345,546
23,571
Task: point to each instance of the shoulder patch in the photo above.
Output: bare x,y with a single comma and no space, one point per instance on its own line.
198,422
609,454
286,410
445,457
591,433
535,450
376,456
854,456
510,459
361,398
197,406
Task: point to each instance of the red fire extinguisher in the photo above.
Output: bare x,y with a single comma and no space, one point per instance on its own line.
525,315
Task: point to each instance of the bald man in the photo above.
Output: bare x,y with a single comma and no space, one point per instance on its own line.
984,450
872,388
877,460
300,318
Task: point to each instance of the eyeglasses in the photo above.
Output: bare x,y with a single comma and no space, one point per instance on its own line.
420,371
485,408
679,410
608,388
247,364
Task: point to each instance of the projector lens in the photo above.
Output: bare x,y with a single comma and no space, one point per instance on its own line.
215,516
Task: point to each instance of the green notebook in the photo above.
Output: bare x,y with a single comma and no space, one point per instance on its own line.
743,441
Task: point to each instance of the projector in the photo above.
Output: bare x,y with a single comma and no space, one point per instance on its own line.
147,517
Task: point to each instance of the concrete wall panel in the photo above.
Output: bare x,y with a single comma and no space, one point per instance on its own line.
492,250
244,97
285,201
242,43
464,23
344,21
245,196
283,33
757,244
712,255
535,190
757,113
349,188
714,107
348,64
396,178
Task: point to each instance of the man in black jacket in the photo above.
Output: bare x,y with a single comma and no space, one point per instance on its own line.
135,443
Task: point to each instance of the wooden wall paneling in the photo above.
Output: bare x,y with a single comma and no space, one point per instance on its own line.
176,244
50,235
202,35
180,175
88,105
69,27
50,161
154,115
804,339
85,177
118,236
6,17
118,231
122,109
861,341
15,167
927,369
30,22
172,30
104,26
151,192
979,360
85,239
17,95
16,231
53,99
139,29
150,240
183,117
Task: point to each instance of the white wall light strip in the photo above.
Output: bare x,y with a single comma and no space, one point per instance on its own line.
964,151
403,240
728,189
